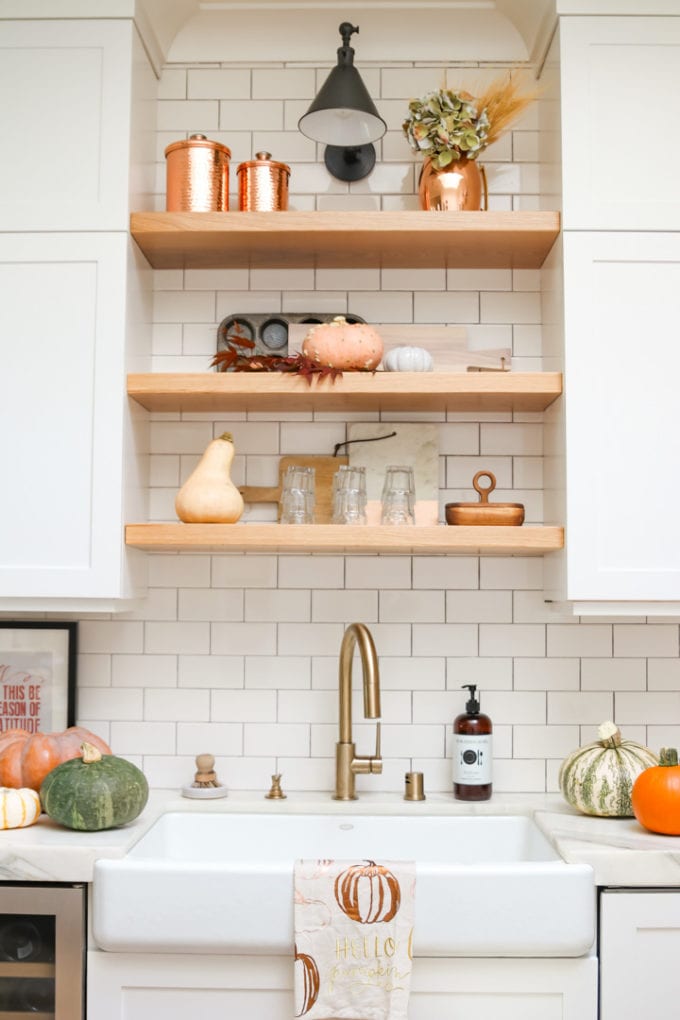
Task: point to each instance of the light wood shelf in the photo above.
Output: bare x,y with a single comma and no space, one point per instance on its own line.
355,391
283,538
336,240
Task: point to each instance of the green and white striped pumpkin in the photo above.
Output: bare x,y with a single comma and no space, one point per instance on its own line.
598,778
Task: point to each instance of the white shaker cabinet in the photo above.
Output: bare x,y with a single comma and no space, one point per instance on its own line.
66,426
65,123
621,421
620,111
139,986
639,946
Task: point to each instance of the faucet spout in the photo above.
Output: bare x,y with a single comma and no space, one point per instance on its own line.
347,762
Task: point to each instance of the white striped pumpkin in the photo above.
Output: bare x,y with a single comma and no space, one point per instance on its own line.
598,778
18,808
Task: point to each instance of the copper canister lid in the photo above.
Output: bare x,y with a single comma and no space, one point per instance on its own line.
263,184
198,142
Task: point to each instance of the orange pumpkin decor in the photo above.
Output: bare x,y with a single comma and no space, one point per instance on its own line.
308,985
368,893
26,758
347,346
656,795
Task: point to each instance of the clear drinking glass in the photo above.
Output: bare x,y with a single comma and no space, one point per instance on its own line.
297,495
398,496
349,495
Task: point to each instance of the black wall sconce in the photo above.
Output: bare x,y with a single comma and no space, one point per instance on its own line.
344,117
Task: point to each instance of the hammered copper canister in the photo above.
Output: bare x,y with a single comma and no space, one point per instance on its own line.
263,184
197,176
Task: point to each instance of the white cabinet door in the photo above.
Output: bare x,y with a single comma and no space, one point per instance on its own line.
639,952
622,365
65,124
620,110
139,986
63,416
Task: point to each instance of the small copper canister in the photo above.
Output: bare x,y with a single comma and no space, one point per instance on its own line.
197,176
263,184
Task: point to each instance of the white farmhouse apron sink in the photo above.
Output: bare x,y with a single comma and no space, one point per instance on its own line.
223,883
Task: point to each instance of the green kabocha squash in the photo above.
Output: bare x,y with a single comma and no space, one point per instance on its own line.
598,778
95,791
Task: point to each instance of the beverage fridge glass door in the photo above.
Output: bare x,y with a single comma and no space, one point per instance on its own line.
42,951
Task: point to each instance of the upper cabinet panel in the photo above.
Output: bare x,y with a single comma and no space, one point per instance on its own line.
65,122
620,102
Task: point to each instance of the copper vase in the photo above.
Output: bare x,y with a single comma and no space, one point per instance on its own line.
460,185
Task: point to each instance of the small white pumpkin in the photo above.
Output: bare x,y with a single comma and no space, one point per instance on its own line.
18,808
598,778
408,359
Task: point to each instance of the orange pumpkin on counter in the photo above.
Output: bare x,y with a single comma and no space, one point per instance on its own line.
26,758
656,795
347,346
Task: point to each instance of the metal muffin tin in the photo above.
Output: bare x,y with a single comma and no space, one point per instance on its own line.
270,332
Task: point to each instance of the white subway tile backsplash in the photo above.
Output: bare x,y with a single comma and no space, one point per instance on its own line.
580,708
143,738
210,671
311,572
553,674
613,674
265,739
445,639
217,83
511,639
487,674
479,606
646,639
544,741
218,738
109,704
177,638
569,639
282,606
143,671
658,708
175,703
210,604
663,674
237,655
344,606
412,606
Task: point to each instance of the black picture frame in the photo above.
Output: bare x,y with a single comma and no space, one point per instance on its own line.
38,675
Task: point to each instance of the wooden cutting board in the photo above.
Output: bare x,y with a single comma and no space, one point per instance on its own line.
324,468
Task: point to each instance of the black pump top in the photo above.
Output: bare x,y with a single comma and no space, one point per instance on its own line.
471,706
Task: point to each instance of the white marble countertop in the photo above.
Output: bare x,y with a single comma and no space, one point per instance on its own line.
619,850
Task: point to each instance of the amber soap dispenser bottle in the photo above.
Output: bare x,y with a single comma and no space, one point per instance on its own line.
472,751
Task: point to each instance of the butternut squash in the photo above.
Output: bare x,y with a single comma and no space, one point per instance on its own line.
209,496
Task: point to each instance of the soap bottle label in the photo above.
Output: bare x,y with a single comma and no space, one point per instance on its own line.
472,759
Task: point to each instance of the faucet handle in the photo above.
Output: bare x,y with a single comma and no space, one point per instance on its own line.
375,763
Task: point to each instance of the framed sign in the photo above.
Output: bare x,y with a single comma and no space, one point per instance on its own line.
37,675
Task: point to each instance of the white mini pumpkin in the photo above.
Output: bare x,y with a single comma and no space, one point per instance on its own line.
408,359
18,808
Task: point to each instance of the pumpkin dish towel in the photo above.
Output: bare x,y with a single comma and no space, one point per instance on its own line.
353,939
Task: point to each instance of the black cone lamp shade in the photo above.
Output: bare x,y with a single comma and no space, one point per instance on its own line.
344,117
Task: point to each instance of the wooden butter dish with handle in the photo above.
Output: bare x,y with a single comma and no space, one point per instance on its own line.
484,512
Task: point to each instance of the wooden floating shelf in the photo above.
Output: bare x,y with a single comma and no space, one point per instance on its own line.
340,240
304,538
355,391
